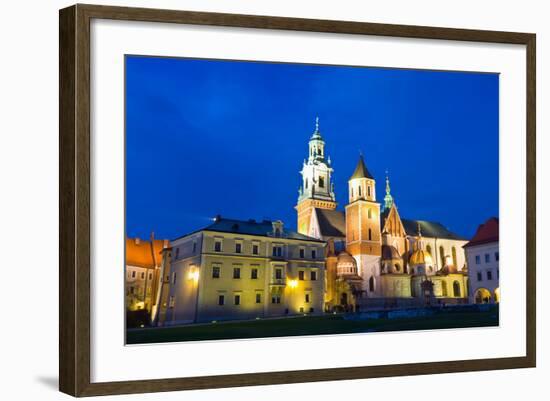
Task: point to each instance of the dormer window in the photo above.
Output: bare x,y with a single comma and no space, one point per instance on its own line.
277,228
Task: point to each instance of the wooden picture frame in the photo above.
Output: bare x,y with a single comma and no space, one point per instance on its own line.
74,204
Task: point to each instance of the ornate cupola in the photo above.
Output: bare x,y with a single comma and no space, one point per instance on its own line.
317,189
421,261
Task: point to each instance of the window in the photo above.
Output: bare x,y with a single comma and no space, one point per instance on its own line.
221,299
456,289
359,190
444,288
313,254
487,258
255,249
278,274
134,274
352,192
302,253
276,299
370,234
150,276
496,256
254,274
301,275
453,253
177,253
498,272
142,275
238,247
174,278
442,255
313,275
369,213
131,290
218,245
368,192
479,276
321,182
236,272
429,249
215,271
277,250
307,298
258,298
237,299
371,284
478,259
172,302
489,275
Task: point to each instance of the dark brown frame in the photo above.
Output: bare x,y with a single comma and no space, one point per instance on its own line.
74,202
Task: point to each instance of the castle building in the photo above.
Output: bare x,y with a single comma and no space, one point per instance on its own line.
482,253
143,262
235,269
375,258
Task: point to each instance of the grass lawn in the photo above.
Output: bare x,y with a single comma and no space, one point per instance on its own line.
311,325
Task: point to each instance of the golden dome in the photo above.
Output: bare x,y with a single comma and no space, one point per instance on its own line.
421,257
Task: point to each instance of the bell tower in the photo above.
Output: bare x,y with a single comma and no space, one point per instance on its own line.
363,238
317,189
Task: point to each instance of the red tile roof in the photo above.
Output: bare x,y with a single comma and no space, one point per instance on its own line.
486,232
140,253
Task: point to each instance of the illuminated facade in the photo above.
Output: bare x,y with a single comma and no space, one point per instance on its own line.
393,258
143,262
234,270
482,253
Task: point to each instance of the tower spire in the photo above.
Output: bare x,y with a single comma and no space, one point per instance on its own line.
388,199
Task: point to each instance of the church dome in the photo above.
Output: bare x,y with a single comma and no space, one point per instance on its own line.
390,252
421,257
346,264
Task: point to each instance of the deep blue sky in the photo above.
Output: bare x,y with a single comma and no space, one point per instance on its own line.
208,137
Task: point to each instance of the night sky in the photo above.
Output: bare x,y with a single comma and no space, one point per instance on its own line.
206,137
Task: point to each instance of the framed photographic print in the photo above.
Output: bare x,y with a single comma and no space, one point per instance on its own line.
266,190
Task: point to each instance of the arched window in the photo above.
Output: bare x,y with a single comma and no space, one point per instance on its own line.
370,234
359,189
444,288
368,190
453,250
456,289
442,256
429,249
306,182
371,284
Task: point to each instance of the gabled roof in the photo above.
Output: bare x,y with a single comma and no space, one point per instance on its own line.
251,227
361,170
429,229
332,223
486,233
140,253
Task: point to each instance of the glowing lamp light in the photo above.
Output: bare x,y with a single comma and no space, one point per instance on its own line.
293,283
194,275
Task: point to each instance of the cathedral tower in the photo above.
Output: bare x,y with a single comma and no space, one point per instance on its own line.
363,239
317,190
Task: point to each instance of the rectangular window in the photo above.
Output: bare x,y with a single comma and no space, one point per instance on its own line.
278,274
301,275
276,299
258,298
489,275
496,256
255,249
302,253
313,254
278,251
479,276
307,298
238,247
236,272
487,258
218,246
313,275
237,299
478,259
215,271
221,299
254,273
321,182
172,302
